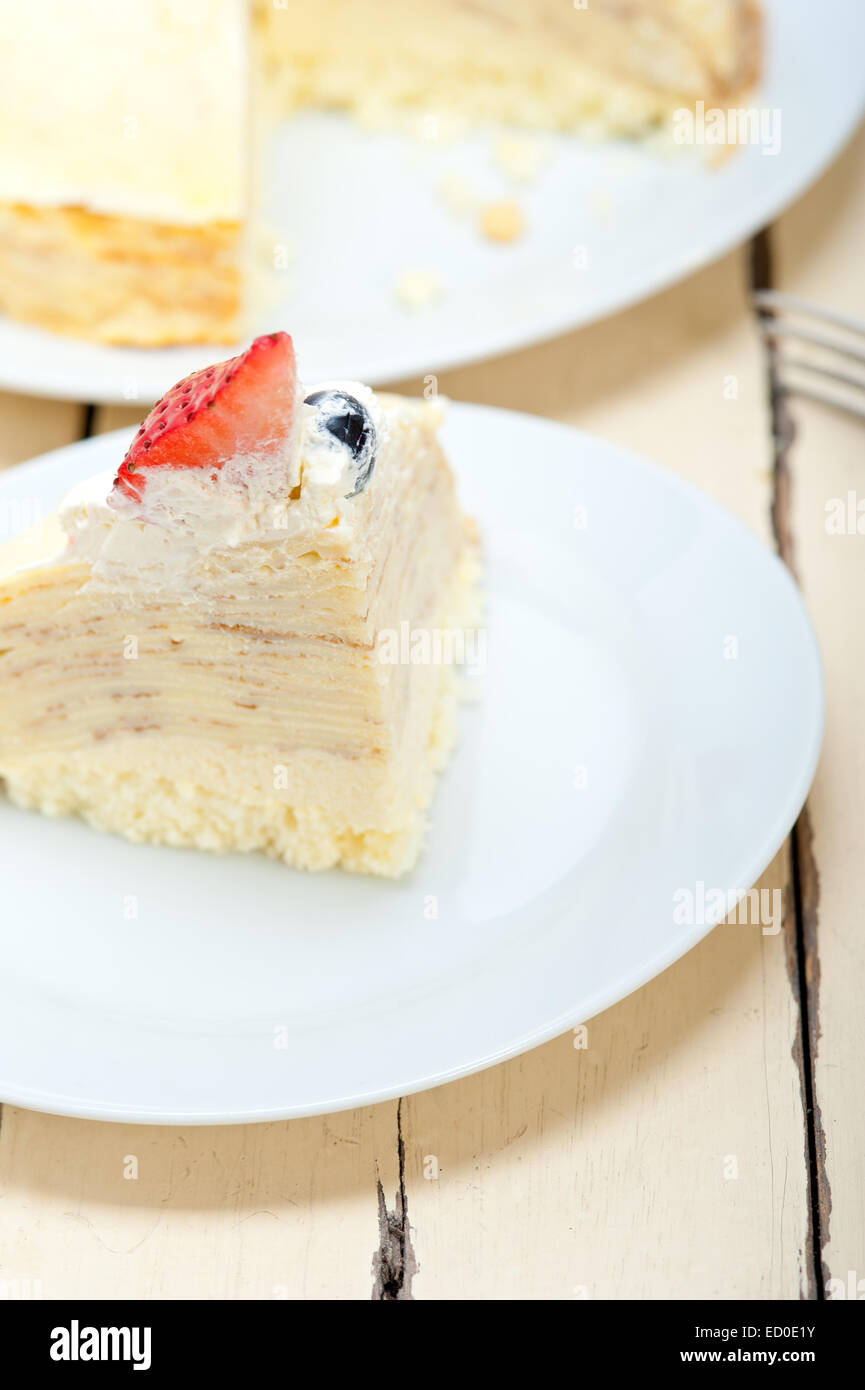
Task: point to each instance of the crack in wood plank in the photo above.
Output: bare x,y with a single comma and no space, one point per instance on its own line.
803,959
393,1263
806,882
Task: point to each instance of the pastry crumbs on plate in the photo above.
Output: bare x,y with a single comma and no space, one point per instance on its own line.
502,221
415,289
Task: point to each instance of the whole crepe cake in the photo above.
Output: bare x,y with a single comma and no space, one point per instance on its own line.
191,648
129,152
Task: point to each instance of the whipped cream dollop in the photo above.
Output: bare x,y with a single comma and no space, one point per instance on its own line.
185,515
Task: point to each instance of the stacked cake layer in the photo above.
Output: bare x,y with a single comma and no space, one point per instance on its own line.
618,68
124,152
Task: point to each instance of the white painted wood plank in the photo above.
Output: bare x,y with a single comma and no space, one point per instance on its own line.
820,256
29,425
130,1211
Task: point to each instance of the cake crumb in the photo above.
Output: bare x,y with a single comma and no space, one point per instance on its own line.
416,289
519,159
502,221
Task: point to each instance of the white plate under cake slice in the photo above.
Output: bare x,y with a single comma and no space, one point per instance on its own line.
615,759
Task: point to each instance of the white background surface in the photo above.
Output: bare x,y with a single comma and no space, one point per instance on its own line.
606,651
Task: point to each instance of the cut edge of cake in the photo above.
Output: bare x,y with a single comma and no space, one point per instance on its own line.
119,280
604,67
184,803
124,170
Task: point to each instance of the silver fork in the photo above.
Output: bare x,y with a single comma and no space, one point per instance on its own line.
822,372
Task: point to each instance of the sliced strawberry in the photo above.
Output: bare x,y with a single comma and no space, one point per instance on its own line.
242,406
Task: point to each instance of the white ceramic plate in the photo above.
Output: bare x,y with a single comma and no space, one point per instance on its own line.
644,222
649,720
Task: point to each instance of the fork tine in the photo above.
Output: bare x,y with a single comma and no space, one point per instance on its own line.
814,393
779,328
776,299
799,364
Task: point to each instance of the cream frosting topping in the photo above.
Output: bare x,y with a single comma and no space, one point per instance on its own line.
185,515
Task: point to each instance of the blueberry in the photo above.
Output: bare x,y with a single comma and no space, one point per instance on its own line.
346,419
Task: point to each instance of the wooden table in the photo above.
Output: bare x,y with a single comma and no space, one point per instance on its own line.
708,1142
